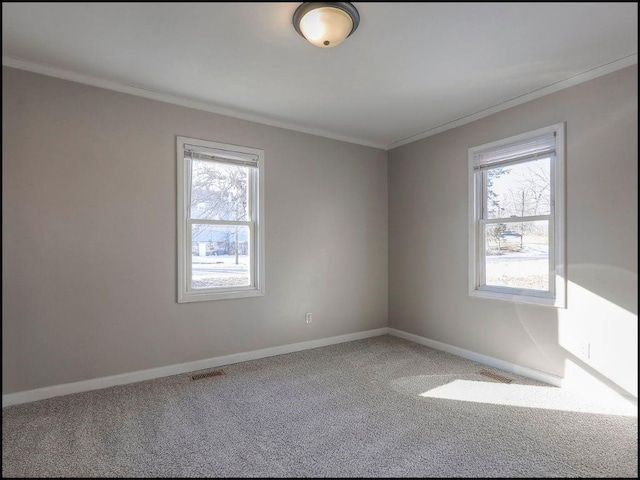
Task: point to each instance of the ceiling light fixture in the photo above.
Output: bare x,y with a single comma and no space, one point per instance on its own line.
326,24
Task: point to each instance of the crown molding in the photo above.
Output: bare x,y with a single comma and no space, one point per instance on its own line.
540,92
210,107
176,100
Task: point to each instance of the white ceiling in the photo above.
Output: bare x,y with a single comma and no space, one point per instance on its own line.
410,70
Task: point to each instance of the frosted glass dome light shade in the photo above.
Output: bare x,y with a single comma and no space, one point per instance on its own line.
326,27
326,24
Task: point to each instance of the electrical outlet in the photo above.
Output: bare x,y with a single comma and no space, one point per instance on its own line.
308,318
584,349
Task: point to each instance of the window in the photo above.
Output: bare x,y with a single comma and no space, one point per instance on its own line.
220,221
516,204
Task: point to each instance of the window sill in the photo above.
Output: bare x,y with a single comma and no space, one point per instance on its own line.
517,297
188,297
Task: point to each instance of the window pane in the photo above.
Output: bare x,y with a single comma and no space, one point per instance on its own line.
517,255
519,190
220,256
219,191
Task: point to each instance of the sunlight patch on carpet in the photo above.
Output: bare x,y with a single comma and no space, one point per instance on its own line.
531,396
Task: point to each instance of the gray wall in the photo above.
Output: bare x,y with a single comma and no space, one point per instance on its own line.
89,236
428,232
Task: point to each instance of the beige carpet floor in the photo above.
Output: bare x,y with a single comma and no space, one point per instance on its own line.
381,407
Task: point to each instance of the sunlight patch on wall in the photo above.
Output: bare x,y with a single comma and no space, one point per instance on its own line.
602,340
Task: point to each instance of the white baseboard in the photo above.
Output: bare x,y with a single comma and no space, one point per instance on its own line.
480,358
142,375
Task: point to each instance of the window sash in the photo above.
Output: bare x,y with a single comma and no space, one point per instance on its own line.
481,281
251,251
252,183
532,218
251,209
482,182
481,203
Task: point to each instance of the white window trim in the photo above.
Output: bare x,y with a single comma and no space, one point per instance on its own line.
556,231
257,273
